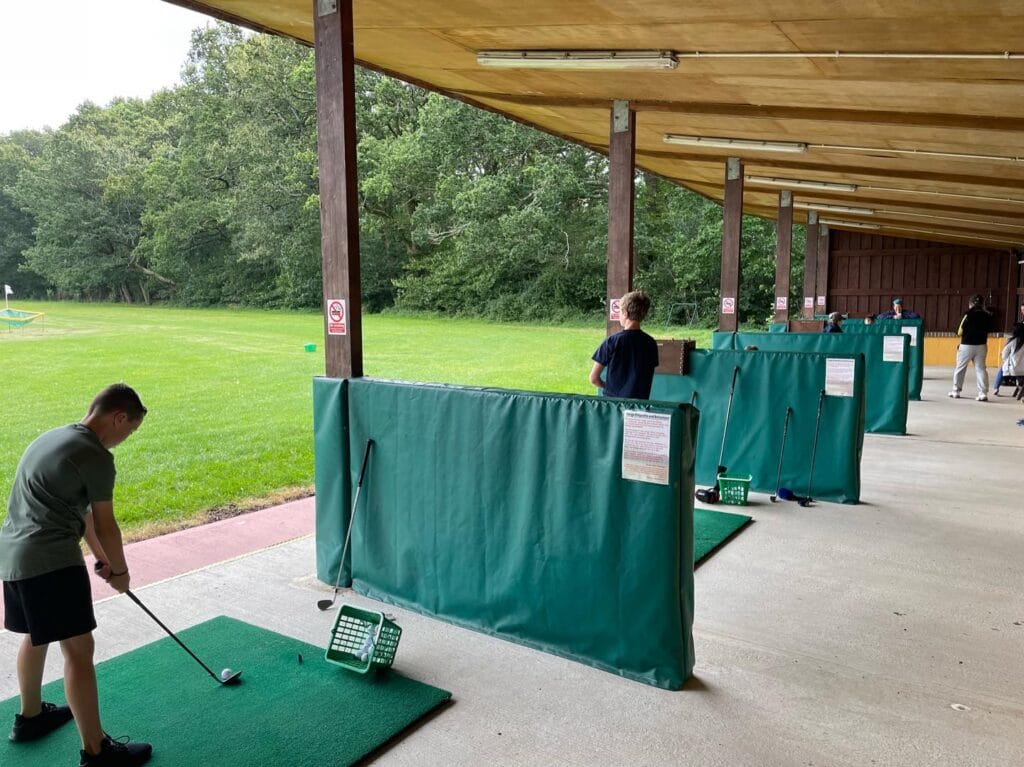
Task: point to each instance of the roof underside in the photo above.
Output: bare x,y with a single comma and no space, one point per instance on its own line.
964,117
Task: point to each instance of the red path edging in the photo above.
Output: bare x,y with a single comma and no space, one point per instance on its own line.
194,548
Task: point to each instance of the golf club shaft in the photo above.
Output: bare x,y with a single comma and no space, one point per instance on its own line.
728,413
171,634
782,450
352,515
814,447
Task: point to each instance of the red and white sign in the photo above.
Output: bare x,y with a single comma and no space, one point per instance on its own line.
821,300
781,303
337,317
808,302
728,305
614,308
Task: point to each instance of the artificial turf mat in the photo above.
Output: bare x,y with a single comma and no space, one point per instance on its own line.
711,529
283,713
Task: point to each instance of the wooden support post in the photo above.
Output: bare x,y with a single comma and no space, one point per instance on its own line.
1012,313
821,273
810,266
732,232
621,169
339,202
783,255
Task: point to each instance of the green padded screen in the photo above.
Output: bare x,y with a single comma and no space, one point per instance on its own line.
767,383
506,512
331,476
915,376
885,407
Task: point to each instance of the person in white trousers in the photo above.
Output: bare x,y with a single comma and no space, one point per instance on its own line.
973,348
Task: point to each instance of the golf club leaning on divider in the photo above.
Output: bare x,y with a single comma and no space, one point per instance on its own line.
327,604
728,417
225,677
782,453
808,499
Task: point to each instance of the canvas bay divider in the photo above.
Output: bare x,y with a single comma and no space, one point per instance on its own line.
915,330
506,512
885,382
767,383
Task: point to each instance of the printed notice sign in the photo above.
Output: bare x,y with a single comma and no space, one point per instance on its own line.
839,376
892,351
821,300
781,303
910,330
728,305
614,308
645,446
337,317
808,302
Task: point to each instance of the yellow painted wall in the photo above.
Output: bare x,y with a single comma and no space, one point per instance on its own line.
941,350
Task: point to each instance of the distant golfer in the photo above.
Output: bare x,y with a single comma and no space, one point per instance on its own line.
834,324
63,490
898,312
973,348
630,356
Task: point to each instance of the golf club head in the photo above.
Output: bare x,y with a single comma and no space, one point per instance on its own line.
771,498
231,679
805,502
325,604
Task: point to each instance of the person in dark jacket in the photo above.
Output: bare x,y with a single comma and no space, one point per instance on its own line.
898,312
973,332
834,324
629,357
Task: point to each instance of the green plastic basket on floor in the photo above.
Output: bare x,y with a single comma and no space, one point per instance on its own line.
733,490
362,640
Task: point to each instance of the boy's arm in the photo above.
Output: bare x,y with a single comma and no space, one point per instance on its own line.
95,546
108,534
595,375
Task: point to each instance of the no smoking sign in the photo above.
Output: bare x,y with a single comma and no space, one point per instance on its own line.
336,317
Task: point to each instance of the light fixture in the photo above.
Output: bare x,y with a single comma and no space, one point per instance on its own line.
853,224
577,59
901,228
798,183
717,142
922,152
907,214
937,193
834,208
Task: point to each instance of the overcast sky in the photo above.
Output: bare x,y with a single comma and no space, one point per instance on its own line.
55,54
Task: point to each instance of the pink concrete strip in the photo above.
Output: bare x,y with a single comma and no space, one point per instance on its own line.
167,556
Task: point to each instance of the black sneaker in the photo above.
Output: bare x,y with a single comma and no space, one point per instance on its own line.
28,728
118,753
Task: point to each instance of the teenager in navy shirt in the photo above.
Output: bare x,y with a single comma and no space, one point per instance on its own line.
629,357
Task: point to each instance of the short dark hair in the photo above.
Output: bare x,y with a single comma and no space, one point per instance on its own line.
118,397
977,299
635,305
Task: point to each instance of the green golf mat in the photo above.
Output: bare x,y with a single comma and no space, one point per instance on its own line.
711,529
283,712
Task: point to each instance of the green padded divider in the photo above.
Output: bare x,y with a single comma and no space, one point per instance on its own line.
332,480
506,512
915,376
885,408
768,383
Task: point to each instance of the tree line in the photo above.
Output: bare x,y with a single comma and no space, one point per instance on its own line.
207,194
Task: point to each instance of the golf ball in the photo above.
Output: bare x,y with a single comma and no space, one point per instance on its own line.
226,674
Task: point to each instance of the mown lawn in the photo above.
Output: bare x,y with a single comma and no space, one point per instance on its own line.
229,391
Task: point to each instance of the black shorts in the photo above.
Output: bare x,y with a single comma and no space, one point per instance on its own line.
50,607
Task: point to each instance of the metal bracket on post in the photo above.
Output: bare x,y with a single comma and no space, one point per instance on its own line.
785,199
326,7
732,168
620,116
812,217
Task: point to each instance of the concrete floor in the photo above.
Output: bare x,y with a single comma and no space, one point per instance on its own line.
889,633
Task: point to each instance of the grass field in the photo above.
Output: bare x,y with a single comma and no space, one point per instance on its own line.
230,394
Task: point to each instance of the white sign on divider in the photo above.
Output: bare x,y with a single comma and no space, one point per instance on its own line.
645,446
892,350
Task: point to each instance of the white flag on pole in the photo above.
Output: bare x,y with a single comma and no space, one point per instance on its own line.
8,290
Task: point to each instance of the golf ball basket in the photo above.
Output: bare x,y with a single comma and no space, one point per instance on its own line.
734,490
362,640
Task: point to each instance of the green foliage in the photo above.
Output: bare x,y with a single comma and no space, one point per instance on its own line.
208,194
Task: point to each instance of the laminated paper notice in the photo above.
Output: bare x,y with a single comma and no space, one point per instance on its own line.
839,377
645,446
910,330
892,351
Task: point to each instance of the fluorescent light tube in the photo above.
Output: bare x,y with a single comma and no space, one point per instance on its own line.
853,224
577,59
716,142
834,208
797,183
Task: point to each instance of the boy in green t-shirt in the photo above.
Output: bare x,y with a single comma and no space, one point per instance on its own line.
63,491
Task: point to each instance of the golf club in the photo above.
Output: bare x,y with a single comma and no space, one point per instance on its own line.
782,453
225,677
808,499
712,494
327,604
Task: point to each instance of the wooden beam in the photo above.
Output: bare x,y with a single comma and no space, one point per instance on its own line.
339,202
821,273
810,266
783,255
621,171
732,232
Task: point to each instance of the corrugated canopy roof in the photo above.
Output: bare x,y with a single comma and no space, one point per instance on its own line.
934,145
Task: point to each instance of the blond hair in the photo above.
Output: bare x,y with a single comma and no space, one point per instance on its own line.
635,305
